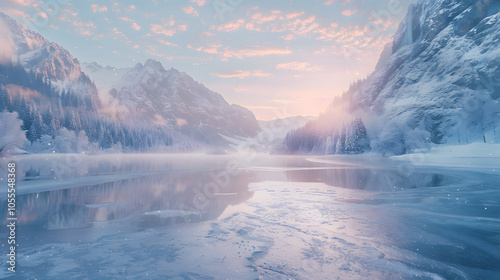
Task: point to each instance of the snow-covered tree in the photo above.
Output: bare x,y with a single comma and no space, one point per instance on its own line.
51,123
391,141
341,140
356,138
12,136
65,141
44,145
397,140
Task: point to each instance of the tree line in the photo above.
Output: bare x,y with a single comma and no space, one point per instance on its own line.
351,138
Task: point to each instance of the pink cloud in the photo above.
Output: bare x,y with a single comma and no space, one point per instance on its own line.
241,74
170,21
96,8
136,26
159,29
190,11
294,15
16,12
152,51
83,28
165,42
255,52
259,73
85,32
349,13
23,2
231,26
329,2
299,66
212,48
251,26
198,2
305,21
259,18
126,19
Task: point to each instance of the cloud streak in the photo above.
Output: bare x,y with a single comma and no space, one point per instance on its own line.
299,66
98,9
244,53
241,74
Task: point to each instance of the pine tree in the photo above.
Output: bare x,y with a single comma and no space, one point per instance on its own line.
3,100
108,140
357,138
51,123
32,134
341,142
37,120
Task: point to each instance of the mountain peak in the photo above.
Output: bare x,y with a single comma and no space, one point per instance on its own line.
151,63
149,93
35,53
22,39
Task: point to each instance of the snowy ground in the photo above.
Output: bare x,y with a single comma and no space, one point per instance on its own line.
280,218
478,156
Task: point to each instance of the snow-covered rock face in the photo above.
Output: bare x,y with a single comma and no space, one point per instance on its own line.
173,98
53,61
37,54
443,75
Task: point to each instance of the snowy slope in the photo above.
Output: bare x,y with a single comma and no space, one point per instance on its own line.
172,98
441,81
37,54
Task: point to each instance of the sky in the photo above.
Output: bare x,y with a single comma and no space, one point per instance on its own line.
278,58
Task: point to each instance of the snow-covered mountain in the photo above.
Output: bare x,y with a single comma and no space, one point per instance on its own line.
443,75
168,97
438,82
37,54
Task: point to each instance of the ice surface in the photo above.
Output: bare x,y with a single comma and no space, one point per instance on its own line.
279,218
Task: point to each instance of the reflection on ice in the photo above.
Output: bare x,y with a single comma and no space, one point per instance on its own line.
165,196
134,188
369,179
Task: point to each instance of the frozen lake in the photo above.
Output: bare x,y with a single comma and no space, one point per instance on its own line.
251,217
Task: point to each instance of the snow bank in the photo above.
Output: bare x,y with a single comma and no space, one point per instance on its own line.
480,156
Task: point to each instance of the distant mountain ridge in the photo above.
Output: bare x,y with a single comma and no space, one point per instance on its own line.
151,93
